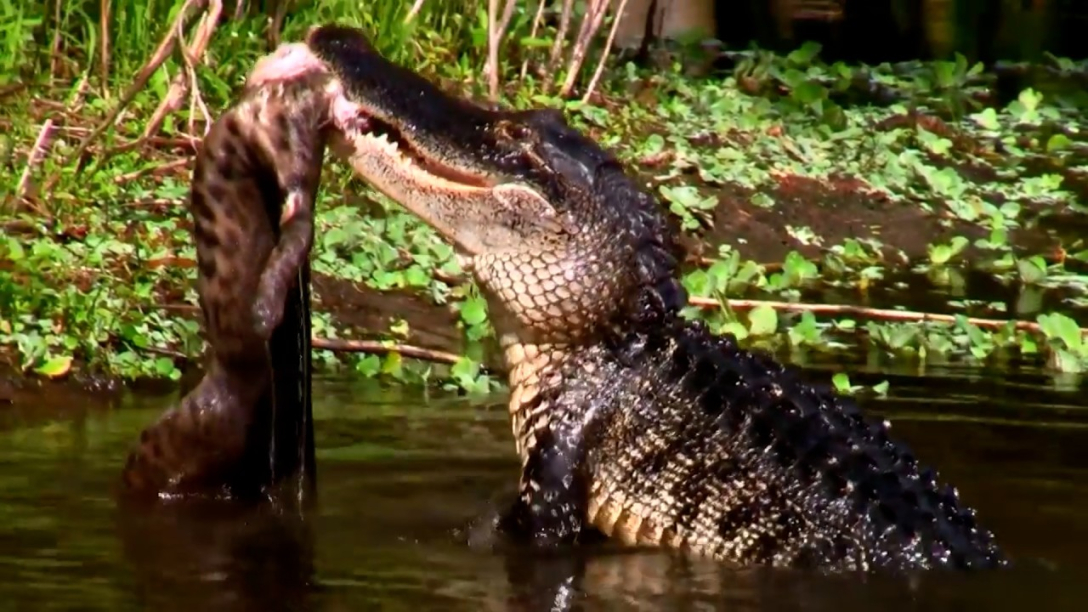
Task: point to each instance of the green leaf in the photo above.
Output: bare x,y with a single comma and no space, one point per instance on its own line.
1032,270
15,250
809,93
762,321
55,366
987,119
465,369
697,283
735,328
393,364
535,42
474,311
164,366
369,366
881,388
841,380
1057,142
805,54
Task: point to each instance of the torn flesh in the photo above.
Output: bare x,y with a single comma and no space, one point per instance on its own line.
287,62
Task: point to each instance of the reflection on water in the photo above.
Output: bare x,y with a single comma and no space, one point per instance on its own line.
407,485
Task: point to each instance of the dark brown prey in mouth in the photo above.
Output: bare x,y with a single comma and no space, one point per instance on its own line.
248,424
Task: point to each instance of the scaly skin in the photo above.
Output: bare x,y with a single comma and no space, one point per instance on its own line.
629,419
248,424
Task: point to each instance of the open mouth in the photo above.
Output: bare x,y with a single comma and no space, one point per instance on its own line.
368,126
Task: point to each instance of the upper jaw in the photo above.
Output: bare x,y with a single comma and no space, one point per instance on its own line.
453,137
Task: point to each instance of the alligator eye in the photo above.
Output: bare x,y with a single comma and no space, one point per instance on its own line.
508,130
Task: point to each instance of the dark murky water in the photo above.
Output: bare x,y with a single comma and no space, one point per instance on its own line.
403,478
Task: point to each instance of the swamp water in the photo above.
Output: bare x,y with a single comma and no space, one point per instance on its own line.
403,478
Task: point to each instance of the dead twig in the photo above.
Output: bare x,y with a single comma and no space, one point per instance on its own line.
163,51
276,27
196,100
165,352
604,52
14,88
495,32
560,40
37,153
412,12
340,345
866,312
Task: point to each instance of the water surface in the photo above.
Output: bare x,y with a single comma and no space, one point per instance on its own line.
407,483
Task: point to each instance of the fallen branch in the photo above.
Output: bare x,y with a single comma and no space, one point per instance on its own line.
374,347
866,312
339,345
158,168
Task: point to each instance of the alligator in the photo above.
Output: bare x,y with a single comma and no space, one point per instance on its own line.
248,424
630,420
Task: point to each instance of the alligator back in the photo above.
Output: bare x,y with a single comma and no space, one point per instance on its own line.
695,444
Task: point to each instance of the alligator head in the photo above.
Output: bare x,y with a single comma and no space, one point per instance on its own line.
519,194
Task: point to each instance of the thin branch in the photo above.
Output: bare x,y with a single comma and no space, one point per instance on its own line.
591,22
532,33
9,90
104,23
196,100
55,46
866,312
560,39
604,53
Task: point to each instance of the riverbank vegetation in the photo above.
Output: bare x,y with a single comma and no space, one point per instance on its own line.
917,212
